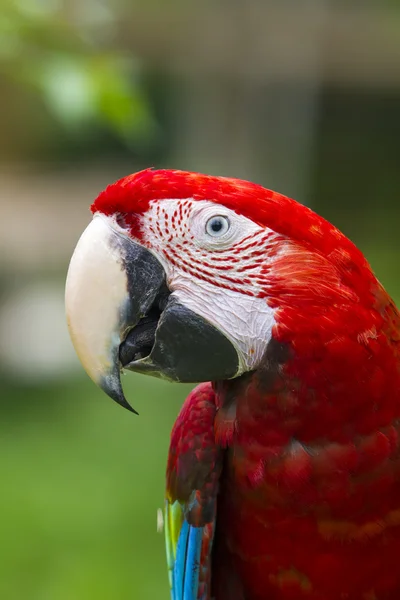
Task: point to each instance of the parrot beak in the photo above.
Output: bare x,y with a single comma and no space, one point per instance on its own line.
112,282
121,314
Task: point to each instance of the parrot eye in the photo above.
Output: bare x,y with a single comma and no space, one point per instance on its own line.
217,226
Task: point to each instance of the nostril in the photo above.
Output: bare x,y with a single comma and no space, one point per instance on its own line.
121,220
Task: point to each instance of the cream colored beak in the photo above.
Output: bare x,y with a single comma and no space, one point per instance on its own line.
97,303
112,284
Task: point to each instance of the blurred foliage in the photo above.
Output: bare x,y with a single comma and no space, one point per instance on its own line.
63,57
83,481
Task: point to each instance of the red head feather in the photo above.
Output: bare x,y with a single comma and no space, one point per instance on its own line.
132,194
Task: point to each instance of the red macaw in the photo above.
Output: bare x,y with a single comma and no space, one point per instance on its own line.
283,478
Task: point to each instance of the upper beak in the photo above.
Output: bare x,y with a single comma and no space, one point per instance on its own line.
112,282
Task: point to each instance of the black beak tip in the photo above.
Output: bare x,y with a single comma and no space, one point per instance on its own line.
123,402
111,385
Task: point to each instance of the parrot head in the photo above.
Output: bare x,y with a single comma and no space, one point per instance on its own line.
189,277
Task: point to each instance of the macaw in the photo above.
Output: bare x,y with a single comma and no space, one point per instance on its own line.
283,477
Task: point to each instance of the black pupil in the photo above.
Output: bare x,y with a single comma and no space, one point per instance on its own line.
217,225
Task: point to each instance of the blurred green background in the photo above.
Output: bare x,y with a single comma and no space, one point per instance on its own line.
301,97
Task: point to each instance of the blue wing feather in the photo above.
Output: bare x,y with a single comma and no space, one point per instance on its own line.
184,544
180,562
191,584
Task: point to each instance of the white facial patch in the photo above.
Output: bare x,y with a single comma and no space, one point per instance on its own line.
246,321
216,262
